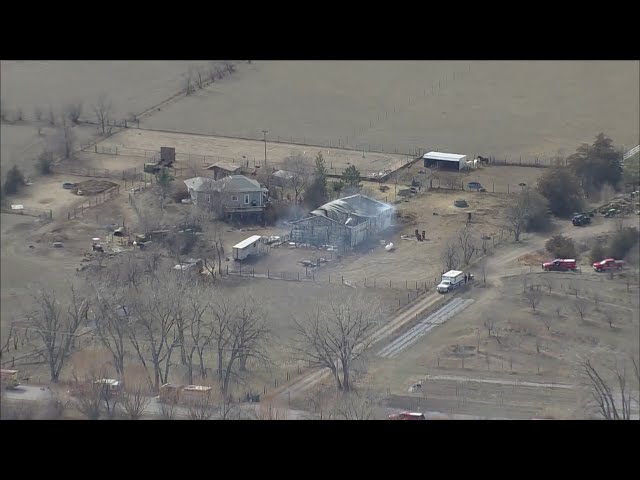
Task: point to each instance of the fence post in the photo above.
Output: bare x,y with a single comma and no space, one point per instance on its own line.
253,272
329,278
298,275
268,273
343,279
406,284
227,269
389,283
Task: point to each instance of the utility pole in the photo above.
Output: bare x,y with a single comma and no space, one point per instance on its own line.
265,147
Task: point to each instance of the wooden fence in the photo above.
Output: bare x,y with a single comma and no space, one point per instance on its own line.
131,174
92,202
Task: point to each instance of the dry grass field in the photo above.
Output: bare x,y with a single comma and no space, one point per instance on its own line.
528,108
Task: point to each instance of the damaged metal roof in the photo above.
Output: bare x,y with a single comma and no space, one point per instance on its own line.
359,206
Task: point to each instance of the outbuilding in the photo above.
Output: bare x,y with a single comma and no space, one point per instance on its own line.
448,161
249,246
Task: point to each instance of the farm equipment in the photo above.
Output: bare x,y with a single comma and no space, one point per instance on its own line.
9,379
450,280
560,265
608,264
580,220
407,416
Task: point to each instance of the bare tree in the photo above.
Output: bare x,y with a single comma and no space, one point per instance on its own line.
212,72
355,406
548,282
4,111
596,300
532,296
609,318
93,396
201,408
201,332
300,169
559,312
73,111
37,113
168,410
52,117
612,404
57,330
112,323
18,115
240,333
450,256
65,138
581,306
490,325
153,334
55,407
467,245
102,109
201,76
546,320
188,78
135,401
483,272
229,65
336,335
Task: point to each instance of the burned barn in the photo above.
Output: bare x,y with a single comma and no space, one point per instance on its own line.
343,223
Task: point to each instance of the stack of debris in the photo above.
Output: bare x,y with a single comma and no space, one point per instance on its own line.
624,203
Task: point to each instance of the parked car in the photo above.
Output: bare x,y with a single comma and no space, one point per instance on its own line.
580,220
68,185
560,265
475,186
608,264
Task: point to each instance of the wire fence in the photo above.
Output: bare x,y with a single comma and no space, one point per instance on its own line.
31,212
93,202
130,174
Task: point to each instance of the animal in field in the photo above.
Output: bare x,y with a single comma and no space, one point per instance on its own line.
483,160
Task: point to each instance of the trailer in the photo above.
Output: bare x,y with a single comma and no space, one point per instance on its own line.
253,245
450,280
174,394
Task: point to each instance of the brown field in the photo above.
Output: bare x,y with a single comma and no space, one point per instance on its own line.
533,108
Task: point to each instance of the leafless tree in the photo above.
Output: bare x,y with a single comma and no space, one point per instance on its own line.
168,410
336,335
483,272
212,72
546,320
548,282
609,318
532,296
240,333
18,115
300,168
269,412
11,334
135,401
596,300
490,325
93,396
450,256
65,138
4,111
73,111
56,329
220,71
517,215
55,407
201,332
102,109
229,65
37,113
188,78
559,312
52,117
581,306
467,245
355,406
113,316
201,408
612,404
200,76
153,333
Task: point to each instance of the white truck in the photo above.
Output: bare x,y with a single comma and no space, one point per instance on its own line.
450,280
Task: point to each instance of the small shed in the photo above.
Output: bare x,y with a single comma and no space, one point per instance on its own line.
249,246
224,169
448,161
167,156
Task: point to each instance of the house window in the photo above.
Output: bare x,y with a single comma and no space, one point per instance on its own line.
246,199
234,198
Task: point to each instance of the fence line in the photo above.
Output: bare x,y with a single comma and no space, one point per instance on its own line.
31,212
92,202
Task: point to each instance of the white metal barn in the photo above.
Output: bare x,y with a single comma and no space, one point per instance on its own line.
249,246
450,161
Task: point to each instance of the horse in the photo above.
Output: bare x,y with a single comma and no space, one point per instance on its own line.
483,160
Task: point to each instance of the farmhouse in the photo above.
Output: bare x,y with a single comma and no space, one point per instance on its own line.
343,223
232,196
444,161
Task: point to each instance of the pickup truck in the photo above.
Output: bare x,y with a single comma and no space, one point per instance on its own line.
560,265
608,264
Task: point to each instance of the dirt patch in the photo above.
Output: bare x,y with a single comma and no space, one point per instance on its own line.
532,258
94,187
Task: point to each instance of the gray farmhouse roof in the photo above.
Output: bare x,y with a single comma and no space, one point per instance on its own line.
353,206
232,183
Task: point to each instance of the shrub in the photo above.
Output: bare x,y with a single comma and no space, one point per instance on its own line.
597,252
561,247
44,163
559,185
621,242
14,180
